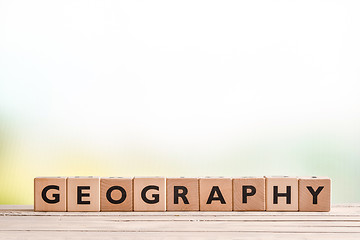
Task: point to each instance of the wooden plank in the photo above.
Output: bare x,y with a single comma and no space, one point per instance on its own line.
21,222
172,235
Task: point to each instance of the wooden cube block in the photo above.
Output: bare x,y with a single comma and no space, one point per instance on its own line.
83,194
282,193
116,194
314,194
50,194
182,194
215,194
249,194
149,194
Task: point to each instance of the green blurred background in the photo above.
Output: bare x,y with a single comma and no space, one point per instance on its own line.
190,88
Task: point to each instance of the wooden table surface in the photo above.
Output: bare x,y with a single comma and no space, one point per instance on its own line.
21,222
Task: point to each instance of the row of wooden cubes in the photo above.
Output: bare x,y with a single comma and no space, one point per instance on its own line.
182,194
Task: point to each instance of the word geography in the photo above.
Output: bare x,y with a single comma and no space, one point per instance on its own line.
85,194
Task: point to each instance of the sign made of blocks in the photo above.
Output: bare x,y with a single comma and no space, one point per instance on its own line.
83,194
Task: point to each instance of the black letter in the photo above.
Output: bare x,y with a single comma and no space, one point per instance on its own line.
287,194
212,193
315,194
182,195
123,194
245,193
80,194
56,196
155,196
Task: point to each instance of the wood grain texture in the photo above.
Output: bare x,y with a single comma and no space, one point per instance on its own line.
314,194
120,192
254,189
152,190
85,189
21,222
276,188
215,194
56,194
186,197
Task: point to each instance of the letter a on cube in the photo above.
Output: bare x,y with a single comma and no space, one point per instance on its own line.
215,194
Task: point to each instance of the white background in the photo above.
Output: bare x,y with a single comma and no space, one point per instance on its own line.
181,88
